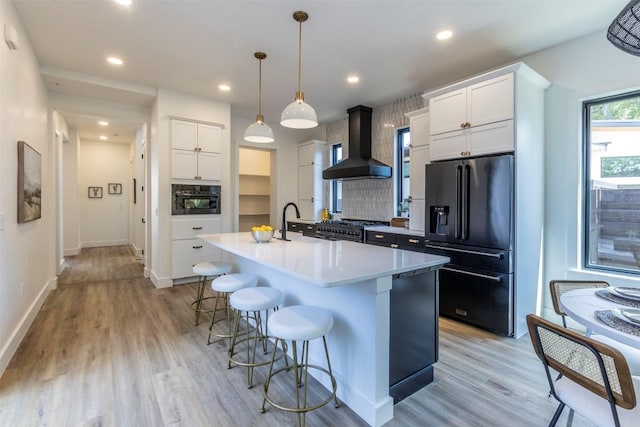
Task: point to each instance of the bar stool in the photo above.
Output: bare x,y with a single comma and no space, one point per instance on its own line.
204,270
300,323
252,302
223,287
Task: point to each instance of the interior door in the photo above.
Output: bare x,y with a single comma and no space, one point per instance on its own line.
488,204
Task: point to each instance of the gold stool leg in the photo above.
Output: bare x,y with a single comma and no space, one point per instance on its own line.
213,318
326,352
199,295
268,380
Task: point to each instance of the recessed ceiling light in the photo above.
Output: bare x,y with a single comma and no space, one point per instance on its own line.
103,123
103,137
353,79
124,2
444,35
224,88
115,61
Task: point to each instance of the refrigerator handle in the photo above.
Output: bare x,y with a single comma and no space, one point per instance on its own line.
457,225
465,202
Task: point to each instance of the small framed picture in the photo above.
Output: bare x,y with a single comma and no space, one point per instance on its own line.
95,192
115,188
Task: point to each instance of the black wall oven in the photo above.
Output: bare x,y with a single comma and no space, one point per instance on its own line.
195,199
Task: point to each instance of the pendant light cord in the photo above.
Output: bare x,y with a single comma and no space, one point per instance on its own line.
299,56
260,89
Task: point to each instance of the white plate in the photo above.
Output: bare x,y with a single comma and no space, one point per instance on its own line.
633,293
629,315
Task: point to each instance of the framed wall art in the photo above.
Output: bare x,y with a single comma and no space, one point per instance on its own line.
115,188
29,183
95,192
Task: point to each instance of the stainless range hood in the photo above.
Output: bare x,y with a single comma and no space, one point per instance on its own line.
359,164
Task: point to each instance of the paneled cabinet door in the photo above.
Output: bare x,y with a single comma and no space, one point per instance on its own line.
448,111
209,138
417,215
305,182
209,166
307,208
419,158
184,164
492,138
184,135
449,145
306,154
490,101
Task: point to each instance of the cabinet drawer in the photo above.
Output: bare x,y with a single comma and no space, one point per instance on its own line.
190,228
412,243
187,253
294,226
380,237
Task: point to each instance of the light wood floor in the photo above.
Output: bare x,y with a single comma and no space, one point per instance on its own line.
108,349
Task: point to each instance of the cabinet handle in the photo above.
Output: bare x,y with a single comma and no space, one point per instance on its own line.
197,247
394,246
462,125
414,241
468,125
312,199
462,153
409,199
197,228
379,236
197,177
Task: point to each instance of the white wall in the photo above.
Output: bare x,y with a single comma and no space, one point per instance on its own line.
285,171
585,68
104,221
71,193
27,251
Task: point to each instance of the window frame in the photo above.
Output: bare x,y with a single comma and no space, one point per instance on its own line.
587,264
399,166
333,154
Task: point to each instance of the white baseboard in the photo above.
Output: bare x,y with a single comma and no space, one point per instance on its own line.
161,282
73,251
100,243
20,331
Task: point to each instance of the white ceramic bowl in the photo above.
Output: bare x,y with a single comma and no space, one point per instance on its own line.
262,236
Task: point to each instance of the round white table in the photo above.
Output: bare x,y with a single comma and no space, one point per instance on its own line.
581,304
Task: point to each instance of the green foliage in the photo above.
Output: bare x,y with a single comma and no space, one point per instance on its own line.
625,109
624,166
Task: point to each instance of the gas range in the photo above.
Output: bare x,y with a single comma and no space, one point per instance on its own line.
344,229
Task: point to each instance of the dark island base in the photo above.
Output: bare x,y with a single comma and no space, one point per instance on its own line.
410,385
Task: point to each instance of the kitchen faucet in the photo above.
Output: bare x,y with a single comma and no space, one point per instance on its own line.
284,219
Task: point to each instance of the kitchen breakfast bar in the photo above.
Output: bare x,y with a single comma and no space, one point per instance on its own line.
361,284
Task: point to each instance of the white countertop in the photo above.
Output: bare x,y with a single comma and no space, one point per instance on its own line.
323,262
394,230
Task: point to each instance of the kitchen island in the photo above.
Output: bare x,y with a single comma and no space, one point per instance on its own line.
352,280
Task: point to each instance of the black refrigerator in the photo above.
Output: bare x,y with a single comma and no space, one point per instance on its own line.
470,218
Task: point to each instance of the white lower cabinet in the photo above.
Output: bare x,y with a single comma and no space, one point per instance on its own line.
416,215
186,249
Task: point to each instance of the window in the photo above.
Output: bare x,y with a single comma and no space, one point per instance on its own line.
336,185
612,183
403,147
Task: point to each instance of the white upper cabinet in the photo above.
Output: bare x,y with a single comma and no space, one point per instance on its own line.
476,105
195,150
419,127
473,120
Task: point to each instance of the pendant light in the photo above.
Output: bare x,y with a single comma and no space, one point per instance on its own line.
624,31
299,114
259,131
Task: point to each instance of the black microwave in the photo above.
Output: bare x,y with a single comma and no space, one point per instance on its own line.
195,199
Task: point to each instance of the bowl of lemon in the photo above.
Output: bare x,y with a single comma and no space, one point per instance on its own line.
262,233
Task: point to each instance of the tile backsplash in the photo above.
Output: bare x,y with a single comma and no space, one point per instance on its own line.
373,199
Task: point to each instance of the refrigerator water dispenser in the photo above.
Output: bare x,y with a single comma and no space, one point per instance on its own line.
439,219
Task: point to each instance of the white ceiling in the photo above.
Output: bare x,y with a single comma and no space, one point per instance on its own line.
192,46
